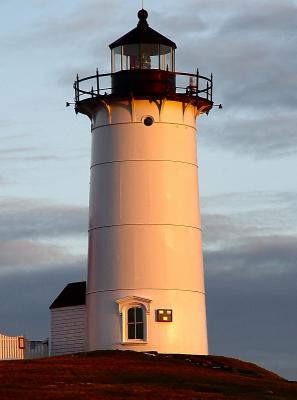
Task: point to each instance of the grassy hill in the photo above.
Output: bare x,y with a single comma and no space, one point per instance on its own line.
130,375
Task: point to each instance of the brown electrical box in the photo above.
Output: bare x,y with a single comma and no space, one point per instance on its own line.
164,315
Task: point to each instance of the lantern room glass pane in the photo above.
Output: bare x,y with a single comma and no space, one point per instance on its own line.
116,59
131,56
166,57
143,56
149,56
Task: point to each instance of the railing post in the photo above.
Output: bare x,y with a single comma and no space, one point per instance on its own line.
207,91
92,91
75,91
77,87
97,78
197,81
211,78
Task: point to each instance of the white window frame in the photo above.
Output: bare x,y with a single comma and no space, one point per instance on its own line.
130,302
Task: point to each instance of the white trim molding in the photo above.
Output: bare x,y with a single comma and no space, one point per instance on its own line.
128,302
134,300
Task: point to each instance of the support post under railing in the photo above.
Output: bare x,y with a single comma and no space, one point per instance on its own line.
75,91
211,78
77,87
197,82
97,78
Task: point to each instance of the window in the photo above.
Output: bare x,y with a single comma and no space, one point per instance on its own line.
134,313
135,323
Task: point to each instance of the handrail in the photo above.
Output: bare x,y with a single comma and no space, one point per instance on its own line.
198,86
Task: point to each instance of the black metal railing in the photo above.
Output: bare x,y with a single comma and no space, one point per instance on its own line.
194,85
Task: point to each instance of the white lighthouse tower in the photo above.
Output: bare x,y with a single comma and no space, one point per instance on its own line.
145,288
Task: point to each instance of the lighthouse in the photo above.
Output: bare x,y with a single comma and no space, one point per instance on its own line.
145,288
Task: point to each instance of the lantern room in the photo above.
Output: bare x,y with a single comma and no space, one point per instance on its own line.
143,66
143,62
143,48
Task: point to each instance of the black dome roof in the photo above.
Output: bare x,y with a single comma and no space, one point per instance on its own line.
142,34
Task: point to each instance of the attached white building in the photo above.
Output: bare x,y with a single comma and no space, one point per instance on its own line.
68,320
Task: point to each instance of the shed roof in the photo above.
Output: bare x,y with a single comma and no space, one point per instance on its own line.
74,294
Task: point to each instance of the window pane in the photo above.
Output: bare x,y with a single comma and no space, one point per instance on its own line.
131,315
131,331
117,59
166,54
139,331
139,315
150,56
131,56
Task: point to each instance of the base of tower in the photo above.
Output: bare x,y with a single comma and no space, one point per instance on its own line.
173,321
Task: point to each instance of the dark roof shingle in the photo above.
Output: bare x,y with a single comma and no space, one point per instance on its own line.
74,294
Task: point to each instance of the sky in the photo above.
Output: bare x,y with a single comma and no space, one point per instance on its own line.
247,160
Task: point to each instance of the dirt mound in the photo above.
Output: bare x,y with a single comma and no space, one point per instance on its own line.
130,375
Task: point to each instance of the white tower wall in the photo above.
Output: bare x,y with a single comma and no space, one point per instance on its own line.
145,232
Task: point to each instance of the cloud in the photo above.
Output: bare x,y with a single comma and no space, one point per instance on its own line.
23,153
13,150
29,255
25,298
251,51
266,254
36,261
32,158
242,217
23,219
267,17
72,26
252,316
250,269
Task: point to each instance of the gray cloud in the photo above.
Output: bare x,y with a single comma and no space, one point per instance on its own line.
25,153
252,316
22,219
25,297
32,158
35,261
250,267
251,51
267,17
241,217
261,254
13,137
30,255
13,150
78,28
250,200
